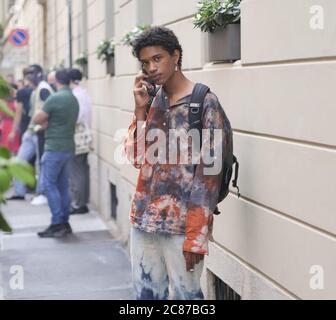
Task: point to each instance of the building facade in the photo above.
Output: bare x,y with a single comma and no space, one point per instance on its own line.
278,241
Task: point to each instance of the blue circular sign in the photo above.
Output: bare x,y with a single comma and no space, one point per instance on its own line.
19,37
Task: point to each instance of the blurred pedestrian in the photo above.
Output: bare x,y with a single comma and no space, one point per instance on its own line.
79,166
33,139
23,96
20,84
59,115
51,79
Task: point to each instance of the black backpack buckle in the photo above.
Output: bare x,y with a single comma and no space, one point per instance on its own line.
195,108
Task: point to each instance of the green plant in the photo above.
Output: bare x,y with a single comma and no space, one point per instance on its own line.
105,50
82,60
5,89
217,14
9,169
5,110
130,36
2,31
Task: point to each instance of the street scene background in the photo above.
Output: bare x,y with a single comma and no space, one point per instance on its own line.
278,240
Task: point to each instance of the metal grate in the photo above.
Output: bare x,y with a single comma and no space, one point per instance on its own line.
114,201
224,292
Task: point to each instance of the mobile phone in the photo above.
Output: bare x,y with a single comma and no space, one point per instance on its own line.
152,85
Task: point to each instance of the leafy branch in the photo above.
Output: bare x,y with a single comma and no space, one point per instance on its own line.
10,169
5,92
130,36
5,89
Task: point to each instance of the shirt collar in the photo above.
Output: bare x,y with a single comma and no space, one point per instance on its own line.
164,101
65,88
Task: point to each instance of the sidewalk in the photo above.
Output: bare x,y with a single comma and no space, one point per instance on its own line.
87,265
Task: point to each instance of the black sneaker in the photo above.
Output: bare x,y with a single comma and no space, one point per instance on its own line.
14,197
81,210
55,231
68,227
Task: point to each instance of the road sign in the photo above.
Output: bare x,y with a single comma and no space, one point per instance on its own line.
18,37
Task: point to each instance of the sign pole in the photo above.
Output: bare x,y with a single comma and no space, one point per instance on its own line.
69,2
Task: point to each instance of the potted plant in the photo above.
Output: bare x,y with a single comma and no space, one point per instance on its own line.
105,53
82,61
130,36
221,19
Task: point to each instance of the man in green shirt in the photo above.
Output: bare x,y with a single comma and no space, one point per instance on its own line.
59,114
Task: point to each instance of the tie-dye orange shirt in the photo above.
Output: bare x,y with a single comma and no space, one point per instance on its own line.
176,198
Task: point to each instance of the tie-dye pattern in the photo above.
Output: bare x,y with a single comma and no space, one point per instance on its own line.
159,268
176,198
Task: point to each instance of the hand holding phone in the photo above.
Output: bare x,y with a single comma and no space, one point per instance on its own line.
151,87
142,90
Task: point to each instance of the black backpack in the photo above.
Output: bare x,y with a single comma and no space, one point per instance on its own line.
195,120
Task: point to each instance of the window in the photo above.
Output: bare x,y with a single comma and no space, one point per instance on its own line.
114,201
224,292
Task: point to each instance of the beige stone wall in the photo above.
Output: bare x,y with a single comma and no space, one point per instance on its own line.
32,16
57,33
2,11
280,100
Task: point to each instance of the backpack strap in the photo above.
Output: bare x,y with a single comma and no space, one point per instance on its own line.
196,107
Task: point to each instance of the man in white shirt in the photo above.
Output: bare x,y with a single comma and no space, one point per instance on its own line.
79,168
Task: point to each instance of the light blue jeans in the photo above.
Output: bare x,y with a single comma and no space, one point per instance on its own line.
27,151
56,184
159,268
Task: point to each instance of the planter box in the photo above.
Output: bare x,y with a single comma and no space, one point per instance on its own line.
85,70
224,44
110,69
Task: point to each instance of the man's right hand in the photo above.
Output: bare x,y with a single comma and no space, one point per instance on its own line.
141,96
45,126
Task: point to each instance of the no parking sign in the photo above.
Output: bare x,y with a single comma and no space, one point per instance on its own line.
19,38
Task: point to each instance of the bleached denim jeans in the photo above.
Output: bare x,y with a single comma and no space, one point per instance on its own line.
159,268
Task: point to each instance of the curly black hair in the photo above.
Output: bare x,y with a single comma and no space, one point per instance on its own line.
157,36
75,75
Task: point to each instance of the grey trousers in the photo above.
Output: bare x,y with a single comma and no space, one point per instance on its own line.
80,180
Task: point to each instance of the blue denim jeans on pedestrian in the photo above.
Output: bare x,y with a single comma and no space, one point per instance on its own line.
55,170
28,150
159,268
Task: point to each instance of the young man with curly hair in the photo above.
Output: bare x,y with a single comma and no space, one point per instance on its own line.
172,209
